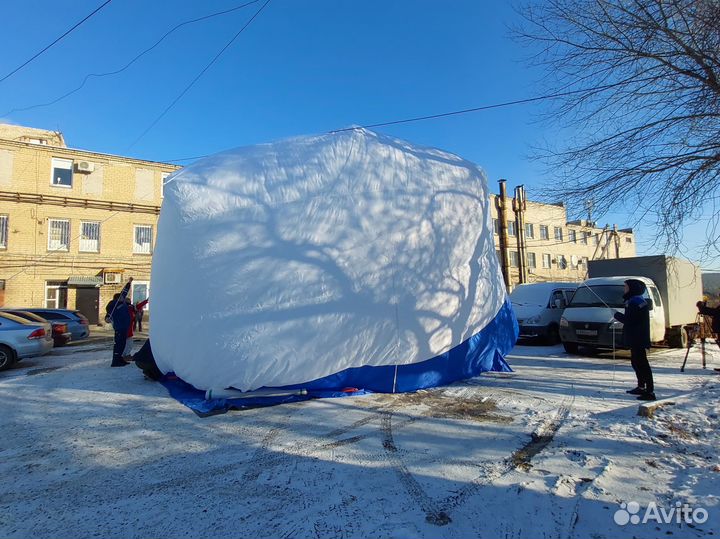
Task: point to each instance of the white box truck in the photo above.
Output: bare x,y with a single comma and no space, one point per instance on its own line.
674,286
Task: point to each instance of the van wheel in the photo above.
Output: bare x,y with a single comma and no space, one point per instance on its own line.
553,334
7,357
679,338
571,347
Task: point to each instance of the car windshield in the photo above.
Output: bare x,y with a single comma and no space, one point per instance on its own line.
610,295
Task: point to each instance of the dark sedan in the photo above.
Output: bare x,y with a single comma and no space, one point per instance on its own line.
77,323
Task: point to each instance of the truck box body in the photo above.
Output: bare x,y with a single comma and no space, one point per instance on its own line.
679,282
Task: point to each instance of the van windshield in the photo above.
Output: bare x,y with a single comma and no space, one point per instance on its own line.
610,295
529,295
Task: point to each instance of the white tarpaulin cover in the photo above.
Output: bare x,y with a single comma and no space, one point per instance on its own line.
283,263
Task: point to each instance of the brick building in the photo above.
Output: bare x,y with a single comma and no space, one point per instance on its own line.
74,224
546,245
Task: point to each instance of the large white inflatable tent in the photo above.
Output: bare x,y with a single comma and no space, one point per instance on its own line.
349,259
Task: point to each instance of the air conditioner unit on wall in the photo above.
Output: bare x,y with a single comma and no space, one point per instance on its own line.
84,166
113,278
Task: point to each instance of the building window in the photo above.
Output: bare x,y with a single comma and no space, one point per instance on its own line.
558,233
561,262
61,172
544,233
584,237
514,260
3,231
628,240
584,261
529,230
89,237
572,236
496,227
512,230
56,294
546,260
596,241
163,181
58,234
140,291
532,263
143,239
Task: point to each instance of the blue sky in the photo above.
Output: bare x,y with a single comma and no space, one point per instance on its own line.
301,67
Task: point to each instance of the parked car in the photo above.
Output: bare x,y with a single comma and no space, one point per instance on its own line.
20,338
77,323
60,333
538,307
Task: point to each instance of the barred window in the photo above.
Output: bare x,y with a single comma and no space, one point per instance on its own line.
512,230
544,234
572,236
90,237
514,259
529,230
143,239
584,237
3,231
558,233
58,234
562,262
546,260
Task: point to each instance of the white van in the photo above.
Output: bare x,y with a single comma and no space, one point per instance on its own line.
588,319
538,307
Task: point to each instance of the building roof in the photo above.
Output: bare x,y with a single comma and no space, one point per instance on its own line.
32,135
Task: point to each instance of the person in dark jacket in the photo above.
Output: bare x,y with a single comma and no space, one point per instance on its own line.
119,315
712,312
636,336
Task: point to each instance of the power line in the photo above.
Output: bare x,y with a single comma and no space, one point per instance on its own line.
458,112
51,253
434,116
131,62
54,42
192,83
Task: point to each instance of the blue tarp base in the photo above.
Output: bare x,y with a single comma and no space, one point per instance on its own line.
195,398
482,352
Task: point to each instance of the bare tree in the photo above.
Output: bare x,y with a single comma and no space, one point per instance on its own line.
640,92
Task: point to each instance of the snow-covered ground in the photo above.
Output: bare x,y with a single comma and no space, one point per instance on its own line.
551,450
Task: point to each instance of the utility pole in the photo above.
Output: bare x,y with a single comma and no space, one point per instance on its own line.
616,236
501,203
519,207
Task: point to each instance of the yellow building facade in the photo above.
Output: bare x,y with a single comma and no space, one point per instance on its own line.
74,224
556,249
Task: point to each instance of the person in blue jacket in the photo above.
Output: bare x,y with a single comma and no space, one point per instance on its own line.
120,318
636,336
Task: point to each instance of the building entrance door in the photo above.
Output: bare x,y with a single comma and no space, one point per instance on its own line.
87,301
